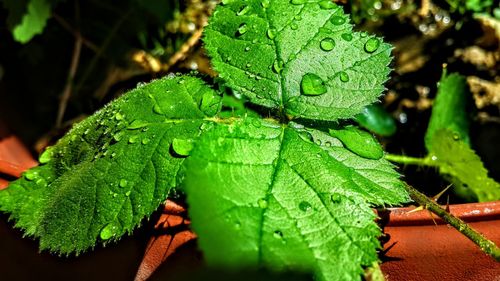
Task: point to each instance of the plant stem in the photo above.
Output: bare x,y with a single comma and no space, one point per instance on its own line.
408,160
487,246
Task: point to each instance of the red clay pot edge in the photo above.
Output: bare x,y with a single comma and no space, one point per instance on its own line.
468,212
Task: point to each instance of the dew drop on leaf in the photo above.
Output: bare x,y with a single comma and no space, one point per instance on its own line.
265,3
137,124
327,44
127,193
298,2
312,85
123,183
271,33
243,10
46,156
277,66
262,203
337,20
372,45
344,77
294,26
305,206
118,116
247,49
327,5
278,234
108,231
242,29
182,146
336,198
30,175
145,141
157,109
346,36
133,139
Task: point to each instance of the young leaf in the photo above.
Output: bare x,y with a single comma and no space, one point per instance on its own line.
377,120
111,170
456,159
265,194
30,20
298,56
449,109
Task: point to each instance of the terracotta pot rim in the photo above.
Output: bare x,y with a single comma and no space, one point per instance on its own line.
468,212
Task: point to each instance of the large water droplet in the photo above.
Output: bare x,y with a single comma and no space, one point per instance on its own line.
294,26
262,203
305,206
278,234
359,142
30,175
298,2
137,124
108,231
347,36
327,44
271,33
243,10
46,156
242,29
336,198
337,20
327,5
344,77
372,45
312,85
123,183
182,147
278,66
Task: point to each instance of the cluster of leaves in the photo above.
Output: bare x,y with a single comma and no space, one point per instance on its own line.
475,6
448,144
285,195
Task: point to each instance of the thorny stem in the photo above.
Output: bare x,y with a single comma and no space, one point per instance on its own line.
408,160
484,244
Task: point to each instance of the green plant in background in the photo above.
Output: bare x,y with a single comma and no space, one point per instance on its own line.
448,145
262,192
476,6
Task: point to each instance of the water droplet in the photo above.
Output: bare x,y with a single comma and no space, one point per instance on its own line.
304,206
182,146
298,17
278,234
336,198
30,175
327,44
358,142
327,5
298,2
344,77
271,33
242,29
127,193
347,36
262,203
256,123
294,26
363,34
46,156
108,231
248,65
247,49
137,124
278,66
115,195
243,10
133,139
312,85
372,45
337,20
118,116
265,3
145,141
123,183
157,109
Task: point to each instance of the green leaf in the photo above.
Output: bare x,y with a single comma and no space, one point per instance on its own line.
449,109
32,22
302,58
265,194
111,170
358,141
376,119
456,159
